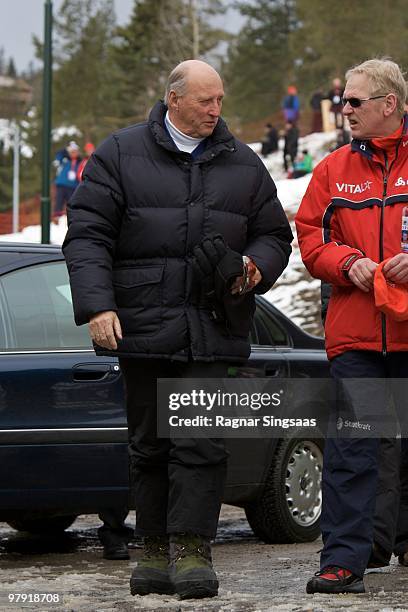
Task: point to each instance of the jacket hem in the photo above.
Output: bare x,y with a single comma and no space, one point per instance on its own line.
366,346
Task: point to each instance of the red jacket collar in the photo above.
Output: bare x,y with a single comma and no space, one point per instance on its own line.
374,149
387,143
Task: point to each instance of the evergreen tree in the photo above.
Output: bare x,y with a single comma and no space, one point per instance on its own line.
336,36
160,34
260,60
84,80
30,167
2,61
11,69
6,178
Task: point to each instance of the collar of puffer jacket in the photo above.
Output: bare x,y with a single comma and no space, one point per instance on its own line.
220,140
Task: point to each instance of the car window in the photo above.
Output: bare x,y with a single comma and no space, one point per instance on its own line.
267,330
37,310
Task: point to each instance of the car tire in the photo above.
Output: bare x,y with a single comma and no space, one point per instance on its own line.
289,507
43,524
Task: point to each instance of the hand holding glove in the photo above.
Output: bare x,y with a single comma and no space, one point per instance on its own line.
230,269
226,276
216,264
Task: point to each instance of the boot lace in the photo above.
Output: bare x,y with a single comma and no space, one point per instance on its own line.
155,546
191,547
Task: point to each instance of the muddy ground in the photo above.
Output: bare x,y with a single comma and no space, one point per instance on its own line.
253,576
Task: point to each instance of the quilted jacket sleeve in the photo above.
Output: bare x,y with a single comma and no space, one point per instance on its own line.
94,221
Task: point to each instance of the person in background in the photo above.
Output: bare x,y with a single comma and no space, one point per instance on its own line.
335,95
66,181
269,140
343,236
89,148
290,148
291,105
315,104
303,165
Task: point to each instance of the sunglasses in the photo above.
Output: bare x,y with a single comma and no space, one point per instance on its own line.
356,102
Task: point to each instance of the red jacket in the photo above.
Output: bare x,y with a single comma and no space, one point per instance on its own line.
353,208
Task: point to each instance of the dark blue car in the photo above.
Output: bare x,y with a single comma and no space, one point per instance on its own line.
63,436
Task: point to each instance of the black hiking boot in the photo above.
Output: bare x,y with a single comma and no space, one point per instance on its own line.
151,575
191,568
115,542
117,551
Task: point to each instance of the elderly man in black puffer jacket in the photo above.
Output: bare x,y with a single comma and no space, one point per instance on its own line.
165,207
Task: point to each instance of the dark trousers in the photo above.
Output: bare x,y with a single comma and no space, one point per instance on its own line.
177,483
387,502
351,477
291,154
391,505
114,528
401,537
63,195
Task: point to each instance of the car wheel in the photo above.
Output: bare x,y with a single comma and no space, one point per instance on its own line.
289,507
42,525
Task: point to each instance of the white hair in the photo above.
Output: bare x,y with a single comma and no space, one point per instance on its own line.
385,77
176,82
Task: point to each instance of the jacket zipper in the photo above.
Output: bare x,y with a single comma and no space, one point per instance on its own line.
384,195
386,175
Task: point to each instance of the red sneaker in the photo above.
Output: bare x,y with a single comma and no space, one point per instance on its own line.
335,579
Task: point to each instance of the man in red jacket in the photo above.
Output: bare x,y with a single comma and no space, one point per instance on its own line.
352,218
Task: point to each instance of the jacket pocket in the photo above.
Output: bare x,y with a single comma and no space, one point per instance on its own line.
138,294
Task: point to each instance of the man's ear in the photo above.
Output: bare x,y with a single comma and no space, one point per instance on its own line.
390,104
172,101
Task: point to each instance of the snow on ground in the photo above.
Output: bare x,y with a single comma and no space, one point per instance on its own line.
317,144
295,293
32,233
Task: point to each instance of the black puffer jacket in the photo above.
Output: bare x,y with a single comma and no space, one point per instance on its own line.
135,220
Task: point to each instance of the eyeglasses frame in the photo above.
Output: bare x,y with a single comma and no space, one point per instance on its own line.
344,101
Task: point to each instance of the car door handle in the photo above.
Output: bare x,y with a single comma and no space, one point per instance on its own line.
93,372
272,371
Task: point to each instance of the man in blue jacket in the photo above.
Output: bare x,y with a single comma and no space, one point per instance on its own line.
67,162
